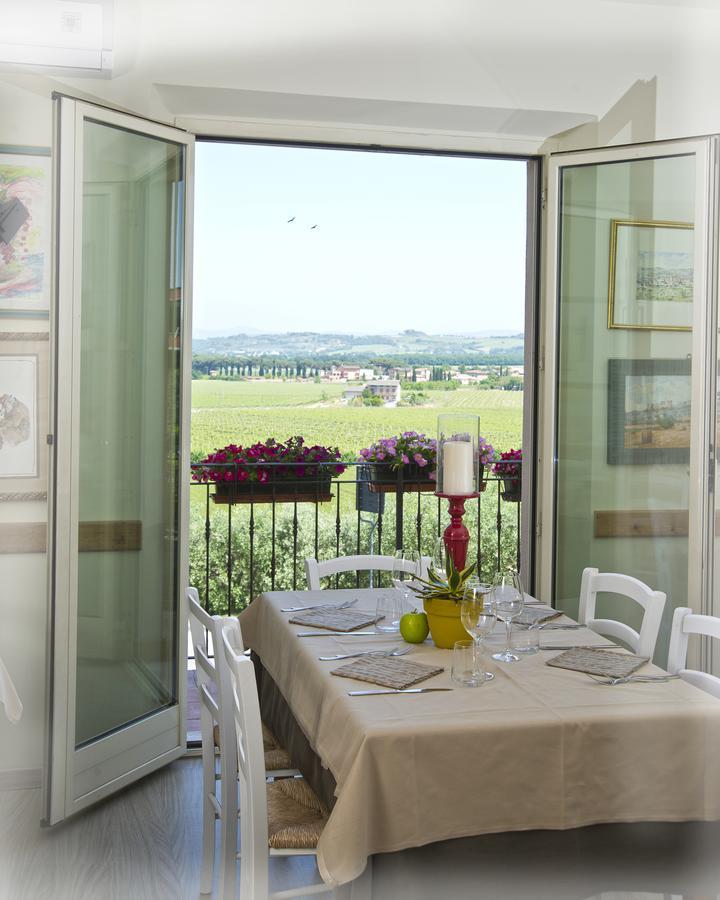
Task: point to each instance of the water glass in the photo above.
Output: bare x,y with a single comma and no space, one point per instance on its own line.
526,638
464,669
388,612
402,578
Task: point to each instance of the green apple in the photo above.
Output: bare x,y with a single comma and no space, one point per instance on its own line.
414,627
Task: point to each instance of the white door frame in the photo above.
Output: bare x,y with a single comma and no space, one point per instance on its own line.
703,393
74,779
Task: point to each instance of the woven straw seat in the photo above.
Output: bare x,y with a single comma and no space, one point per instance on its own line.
276,757
270,742
296,817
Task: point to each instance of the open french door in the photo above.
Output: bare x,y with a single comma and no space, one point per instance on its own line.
629,401
118,526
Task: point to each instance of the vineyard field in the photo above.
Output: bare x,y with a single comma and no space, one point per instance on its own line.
245,412
260,394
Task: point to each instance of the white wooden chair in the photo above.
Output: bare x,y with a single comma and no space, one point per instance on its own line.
315,570
283,818
685,622
652,602
217,730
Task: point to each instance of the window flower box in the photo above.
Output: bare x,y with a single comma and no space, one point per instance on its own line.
271,472
509,469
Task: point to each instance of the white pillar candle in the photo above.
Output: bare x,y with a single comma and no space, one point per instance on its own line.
457,468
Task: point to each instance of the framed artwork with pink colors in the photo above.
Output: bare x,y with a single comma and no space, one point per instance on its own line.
25,205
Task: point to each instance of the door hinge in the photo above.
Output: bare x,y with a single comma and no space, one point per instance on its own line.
543,198
50,439
541,360
538,529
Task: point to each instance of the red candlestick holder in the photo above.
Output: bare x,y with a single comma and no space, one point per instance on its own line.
456,535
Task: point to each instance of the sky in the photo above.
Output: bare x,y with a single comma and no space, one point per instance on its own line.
378,242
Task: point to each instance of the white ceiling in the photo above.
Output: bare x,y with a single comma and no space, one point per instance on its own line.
517,67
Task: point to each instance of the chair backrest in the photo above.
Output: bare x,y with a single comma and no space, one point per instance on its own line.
652,602
685,622
214,686
251,767
315,570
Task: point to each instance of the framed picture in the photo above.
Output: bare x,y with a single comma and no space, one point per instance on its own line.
651,275
23,415
648,411
25,203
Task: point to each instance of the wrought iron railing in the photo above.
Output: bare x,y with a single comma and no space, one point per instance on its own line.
255,537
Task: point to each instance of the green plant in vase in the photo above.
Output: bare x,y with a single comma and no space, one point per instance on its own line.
441,595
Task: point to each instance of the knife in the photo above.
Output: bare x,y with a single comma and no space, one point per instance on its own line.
426,690
584,647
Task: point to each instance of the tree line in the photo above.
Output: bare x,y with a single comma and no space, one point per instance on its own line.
231,366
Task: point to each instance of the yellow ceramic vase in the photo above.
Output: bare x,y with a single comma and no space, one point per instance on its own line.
444,621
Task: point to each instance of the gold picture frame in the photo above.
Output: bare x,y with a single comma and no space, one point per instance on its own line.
651,275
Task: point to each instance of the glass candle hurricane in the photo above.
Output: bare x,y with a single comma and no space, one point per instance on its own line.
458,469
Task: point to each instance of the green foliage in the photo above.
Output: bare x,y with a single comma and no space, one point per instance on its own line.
290,551
451,587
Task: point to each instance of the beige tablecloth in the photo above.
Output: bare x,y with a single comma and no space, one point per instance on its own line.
538,747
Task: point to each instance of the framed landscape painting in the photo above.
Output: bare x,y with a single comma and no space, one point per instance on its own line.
25,203
648,411
651,275
23,415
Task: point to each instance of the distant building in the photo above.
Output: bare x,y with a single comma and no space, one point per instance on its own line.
388,390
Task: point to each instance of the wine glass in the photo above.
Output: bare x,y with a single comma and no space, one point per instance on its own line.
401,577
439,558
479,617
509,600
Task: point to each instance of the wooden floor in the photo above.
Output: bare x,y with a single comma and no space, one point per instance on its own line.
144,844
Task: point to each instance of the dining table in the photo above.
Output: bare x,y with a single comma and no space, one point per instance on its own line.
537,747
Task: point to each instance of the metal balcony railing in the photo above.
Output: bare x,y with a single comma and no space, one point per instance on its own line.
255,536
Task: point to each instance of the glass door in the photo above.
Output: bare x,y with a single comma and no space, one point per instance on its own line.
120,468
626,482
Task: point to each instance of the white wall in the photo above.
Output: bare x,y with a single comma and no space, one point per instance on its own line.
25,120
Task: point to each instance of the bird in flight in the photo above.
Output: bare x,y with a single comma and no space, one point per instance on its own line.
312,226
291,220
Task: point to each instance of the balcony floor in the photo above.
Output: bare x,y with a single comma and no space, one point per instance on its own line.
144,844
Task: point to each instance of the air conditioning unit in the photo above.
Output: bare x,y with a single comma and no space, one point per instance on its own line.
57,34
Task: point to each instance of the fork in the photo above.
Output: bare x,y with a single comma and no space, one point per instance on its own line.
396,651
639,679
344,605
551,626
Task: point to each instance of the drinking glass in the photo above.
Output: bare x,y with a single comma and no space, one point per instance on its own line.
526,638
439,557
388,612
479,617
509,600
402,578
463,670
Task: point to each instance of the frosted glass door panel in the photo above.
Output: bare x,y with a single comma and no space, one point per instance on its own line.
625,374
129,406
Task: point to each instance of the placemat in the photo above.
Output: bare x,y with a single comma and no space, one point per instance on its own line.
389,672
335,619
598,662
536,615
